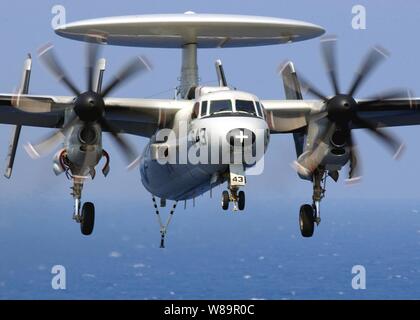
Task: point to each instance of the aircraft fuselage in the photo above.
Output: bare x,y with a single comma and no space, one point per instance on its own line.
204,148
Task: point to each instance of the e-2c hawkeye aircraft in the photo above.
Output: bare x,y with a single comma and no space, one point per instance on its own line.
207,135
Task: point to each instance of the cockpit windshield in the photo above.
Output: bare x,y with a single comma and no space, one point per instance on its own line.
246,106
250,107
220,106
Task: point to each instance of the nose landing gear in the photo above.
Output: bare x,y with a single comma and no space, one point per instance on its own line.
236,180
225,200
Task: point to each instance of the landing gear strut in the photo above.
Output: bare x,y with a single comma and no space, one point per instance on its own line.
85,215
310,215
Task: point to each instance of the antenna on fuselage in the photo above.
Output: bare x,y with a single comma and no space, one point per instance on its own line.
221,74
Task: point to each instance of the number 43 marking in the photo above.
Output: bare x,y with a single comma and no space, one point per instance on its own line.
238,180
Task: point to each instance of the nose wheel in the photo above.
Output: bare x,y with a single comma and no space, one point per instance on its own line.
241,200
237,198
225,200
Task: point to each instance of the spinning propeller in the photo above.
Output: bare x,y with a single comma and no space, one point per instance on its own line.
89,106
342,110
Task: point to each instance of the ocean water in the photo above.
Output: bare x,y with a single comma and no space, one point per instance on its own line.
210,254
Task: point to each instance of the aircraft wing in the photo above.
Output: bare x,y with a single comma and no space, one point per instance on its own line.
286,116
393,113
140,117
52,110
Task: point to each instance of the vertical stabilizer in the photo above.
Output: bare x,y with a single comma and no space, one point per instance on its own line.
14,141
293,91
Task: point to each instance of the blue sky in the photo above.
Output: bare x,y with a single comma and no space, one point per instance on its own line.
35,206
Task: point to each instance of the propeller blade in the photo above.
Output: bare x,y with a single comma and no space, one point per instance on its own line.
316,116
311,161
308,87
50,142
92,54
388,139
385,98
127,149
100,70
328,48
48,58
372,60
137,65
354,166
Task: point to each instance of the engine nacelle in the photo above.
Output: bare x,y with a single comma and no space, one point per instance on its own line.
338,139
58,162
332,154
84,149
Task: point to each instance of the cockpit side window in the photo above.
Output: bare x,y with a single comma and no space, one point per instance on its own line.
259,109
204,108
245,106
195,112
220,106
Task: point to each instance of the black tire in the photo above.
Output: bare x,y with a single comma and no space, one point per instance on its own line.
306,221
88,218
225,200
241,200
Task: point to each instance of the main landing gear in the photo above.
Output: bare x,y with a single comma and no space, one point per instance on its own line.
236,180
310,215
85,216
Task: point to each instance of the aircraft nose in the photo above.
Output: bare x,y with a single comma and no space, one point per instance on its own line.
241,137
